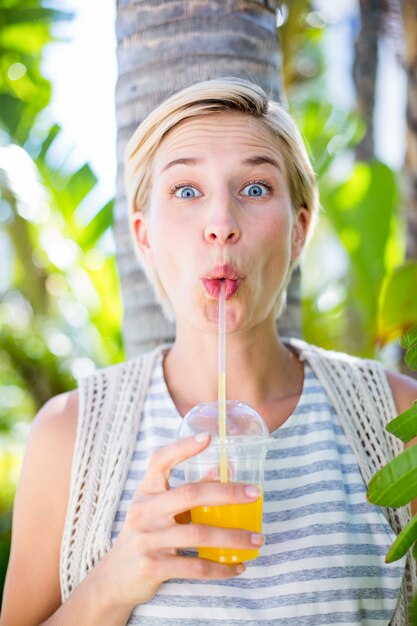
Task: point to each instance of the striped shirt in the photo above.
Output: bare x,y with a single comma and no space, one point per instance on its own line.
323,560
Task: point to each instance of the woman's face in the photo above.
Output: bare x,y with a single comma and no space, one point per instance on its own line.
220,210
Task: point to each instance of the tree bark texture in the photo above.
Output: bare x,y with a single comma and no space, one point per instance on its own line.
365,69
410,31
163,46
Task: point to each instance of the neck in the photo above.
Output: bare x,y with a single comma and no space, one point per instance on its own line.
259,368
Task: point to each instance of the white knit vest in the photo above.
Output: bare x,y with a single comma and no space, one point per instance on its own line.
110,404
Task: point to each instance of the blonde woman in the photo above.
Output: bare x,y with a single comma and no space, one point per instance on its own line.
220,189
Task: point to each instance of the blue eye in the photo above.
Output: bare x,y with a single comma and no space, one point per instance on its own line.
255,190
187,191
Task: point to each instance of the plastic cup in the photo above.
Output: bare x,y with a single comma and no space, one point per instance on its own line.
244,450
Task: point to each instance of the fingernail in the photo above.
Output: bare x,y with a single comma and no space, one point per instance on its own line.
257,540
252,491
240,568
201,437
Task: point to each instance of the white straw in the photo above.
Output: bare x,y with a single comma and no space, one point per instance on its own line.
222,330
222,382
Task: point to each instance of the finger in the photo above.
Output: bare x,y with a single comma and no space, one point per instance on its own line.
198,535
196,568
148,512
163,459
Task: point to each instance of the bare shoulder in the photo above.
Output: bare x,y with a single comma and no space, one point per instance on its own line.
56,423
404,390
32,591
50,445
51,442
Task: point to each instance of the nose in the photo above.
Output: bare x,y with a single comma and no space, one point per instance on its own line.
222,226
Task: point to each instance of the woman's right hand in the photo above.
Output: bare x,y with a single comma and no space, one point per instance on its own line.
145,554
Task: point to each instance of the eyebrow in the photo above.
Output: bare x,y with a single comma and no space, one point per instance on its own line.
255,160
181,162
260,160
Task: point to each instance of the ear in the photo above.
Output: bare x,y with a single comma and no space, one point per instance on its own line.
140,229
299,232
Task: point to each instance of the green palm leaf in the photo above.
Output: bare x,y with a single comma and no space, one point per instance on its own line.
409,338
97,227
411,357
398,304
409,342
396,483
405,425
403,542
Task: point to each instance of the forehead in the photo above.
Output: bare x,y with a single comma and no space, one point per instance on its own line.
225,132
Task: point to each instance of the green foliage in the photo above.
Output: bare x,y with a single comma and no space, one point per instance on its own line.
409,343
361,210
5,538
374,300
359,205
396,483
25,29
9,467
405,425
403,542
409,339
60,311
398,303
300,37
70,306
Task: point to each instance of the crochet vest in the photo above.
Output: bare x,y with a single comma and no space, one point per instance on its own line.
110,403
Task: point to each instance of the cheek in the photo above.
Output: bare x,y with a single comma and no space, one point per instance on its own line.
171,254
276,239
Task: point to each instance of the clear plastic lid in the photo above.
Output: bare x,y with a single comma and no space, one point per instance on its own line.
242,422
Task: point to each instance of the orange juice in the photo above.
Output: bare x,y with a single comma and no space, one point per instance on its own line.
247,516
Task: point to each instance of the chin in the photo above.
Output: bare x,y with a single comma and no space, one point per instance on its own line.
235,319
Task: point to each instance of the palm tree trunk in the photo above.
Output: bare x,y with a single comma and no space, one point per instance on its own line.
162,46
410,31
364,71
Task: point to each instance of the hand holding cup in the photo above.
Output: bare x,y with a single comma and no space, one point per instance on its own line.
242,453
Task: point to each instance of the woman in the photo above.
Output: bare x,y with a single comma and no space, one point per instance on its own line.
220,189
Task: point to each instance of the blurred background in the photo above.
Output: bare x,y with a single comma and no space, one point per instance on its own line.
347,75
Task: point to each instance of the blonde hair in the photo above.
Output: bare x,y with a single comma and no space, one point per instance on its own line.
219,95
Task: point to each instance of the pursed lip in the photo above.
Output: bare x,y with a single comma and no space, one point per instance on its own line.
226,271
227,274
